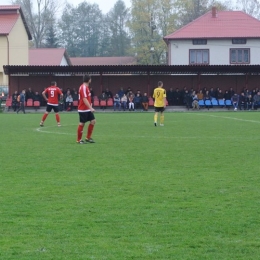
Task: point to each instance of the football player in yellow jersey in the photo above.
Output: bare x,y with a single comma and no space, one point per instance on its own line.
159,94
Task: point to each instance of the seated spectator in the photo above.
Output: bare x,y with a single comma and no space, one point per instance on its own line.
131,105
227,95
137,101
108,93
249,102
200,95
145,102
256,100
37,97
220,95
138,92
15,103
69,103
212,93
242,101
235,101
207,97
117,103
195,101
103,97
124,102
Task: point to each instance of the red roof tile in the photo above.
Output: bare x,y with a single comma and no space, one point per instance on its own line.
9,15
226,24
48,56
103,60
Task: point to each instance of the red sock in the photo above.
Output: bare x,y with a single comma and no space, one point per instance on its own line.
44,117
90,130
80,132
57,118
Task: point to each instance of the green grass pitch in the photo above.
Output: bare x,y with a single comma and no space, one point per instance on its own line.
188,190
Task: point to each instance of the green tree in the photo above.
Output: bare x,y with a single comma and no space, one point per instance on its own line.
119,38
80,29
150,21
52,40
188,10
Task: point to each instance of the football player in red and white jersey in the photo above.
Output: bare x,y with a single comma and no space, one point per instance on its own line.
85,111
53,93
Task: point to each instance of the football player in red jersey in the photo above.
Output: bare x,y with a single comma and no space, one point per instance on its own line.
85,110
53,93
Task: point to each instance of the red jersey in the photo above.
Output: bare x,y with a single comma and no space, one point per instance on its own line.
84,92
53,93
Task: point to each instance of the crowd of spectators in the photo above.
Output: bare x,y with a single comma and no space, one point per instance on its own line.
245,100
128,100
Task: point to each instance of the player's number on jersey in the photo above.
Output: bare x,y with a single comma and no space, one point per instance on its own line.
52,93
158,94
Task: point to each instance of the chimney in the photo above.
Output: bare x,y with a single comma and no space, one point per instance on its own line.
214,12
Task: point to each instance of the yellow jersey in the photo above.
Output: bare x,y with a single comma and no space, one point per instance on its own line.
159,94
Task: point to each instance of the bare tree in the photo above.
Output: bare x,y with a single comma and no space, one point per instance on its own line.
251,7
39,18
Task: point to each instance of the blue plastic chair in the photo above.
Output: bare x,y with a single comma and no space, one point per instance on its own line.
208,104
221,103
214,102
201,103
228,103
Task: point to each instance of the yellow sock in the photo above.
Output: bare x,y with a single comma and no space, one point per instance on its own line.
162,119
155,118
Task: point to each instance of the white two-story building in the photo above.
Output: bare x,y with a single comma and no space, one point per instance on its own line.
216,38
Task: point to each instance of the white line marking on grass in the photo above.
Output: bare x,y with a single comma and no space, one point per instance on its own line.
232,118
41,130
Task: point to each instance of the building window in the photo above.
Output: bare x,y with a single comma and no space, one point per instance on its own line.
199,56
238,41
239,56
199,42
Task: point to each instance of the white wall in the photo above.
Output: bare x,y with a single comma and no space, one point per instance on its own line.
63,62
218,51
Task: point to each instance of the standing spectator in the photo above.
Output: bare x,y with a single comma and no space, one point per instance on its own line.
121,92
117,103
231,92
170,97
145,102
177,97
37,97
235,101
75,96
212,93
187,99
92,95
249,102
15,103
159,95
124,101
86,112
22,102
54,94
242,101
29,94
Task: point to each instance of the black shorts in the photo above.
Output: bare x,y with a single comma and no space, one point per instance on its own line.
50,107
159,109
86,116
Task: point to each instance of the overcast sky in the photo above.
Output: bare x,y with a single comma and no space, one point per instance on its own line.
104,5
